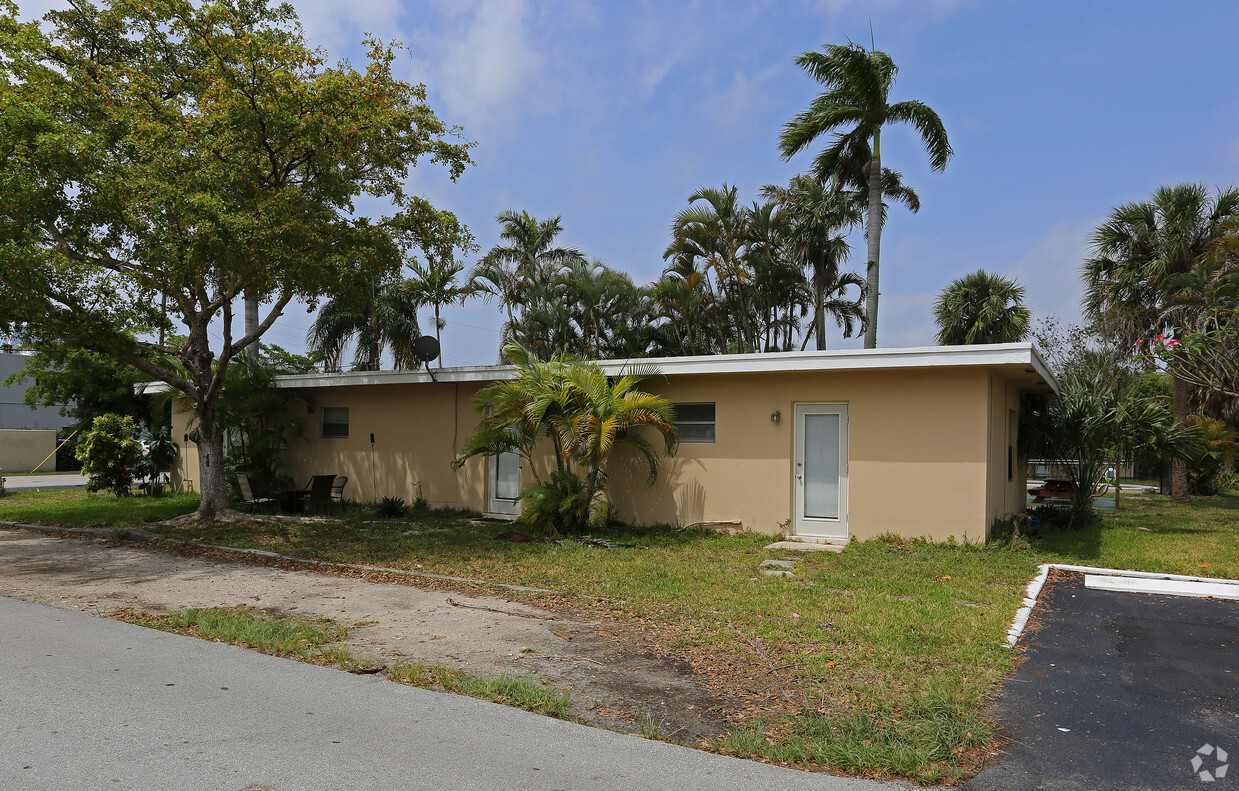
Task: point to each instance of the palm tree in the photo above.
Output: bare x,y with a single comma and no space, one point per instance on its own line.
606,411
847,311
435,284
521,272
858,85
683,313
584,413
981,307
1134,278
713,233
819,217
376,316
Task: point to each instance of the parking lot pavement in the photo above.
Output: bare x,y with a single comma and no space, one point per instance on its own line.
1120,691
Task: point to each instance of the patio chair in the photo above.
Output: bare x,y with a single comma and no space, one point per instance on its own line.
337,490
318,493
247,494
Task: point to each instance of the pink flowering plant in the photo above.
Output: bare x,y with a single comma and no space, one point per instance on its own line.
1206,355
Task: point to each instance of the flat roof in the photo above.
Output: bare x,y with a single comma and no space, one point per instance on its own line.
1020,361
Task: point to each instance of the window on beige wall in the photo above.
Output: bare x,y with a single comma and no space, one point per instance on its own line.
695,422
335,421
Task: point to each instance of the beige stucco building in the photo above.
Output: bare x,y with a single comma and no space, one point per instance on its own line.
830,445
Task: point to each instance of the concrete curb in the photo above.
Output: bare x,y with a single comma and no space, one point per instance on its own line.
1034,589
105,532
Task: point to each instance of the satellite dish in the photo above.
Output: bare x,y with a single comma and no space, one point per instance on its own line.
426,348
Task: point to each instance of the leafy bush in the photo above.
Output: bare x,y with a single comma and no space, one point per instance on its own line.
391,508
420,504
1012,530
1052,516
557,504
1207,474
108,453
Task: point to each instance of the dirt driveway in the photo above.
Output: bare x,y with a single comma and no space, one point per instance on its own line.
612,677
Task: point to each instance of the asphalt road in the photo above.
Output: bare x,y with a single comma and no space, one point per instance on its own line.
1121,691
15,482
88,703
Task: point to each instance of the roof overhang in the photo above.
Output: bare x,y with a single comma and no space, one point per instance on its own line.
1019,362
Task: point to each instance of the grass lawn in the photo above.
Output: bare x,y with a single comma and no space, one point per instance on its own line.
77,508
1154,534
877,660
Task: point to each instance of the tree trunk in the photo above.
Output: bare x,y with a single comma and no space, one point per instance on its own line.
819,307
873,235
438,336
1118,482
210,442
1179,489
251,321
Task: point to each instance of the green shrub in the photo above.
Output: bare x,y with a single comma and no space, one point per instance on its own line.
420,504
108,453
391,508
557,503
1012,529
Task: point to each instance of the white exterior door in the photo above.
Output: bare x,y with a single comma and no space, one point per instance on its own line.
503,485
820,471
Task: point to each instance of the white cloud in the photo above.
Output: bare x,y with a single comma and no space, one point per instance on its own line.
906,318
744,98
1050,270
339,26
934,8
483,64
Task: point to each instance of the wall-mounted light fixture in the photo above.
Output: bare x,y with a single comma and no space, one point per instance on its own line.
775,415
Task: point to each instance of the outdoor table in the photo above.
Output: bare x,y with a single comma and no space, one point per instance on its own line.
292,501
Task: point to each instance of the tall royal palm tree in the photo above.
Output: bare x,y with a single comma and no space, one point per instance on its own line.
981,307
856,100
1140,254
374,316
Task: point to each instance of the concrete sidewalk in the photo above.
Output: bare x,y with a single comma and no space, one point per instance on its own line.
66,481
93,703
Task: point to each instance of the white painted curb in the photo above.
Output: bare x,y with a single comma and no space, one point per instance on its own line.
1034,589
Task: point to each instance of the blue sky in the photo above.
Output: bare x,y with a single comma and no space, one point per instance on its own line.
610,114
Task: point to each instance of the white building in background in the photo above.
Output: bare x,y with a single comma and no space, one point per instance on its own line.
13,412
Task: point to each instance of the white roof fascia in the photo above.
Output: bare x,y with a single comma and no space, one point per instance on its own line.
1006,354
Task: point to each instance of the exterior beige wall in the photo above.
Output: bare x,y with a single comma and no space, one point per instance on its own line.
927,449
917,453
1005,495
22,449
418,431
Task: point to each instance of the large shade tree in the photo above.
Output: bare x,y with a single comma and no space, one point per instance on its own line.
1134,281
202,151
854,108
981,307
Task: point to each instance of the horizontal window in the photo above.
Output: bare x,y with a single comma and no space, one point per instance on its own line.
695,422
335,421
